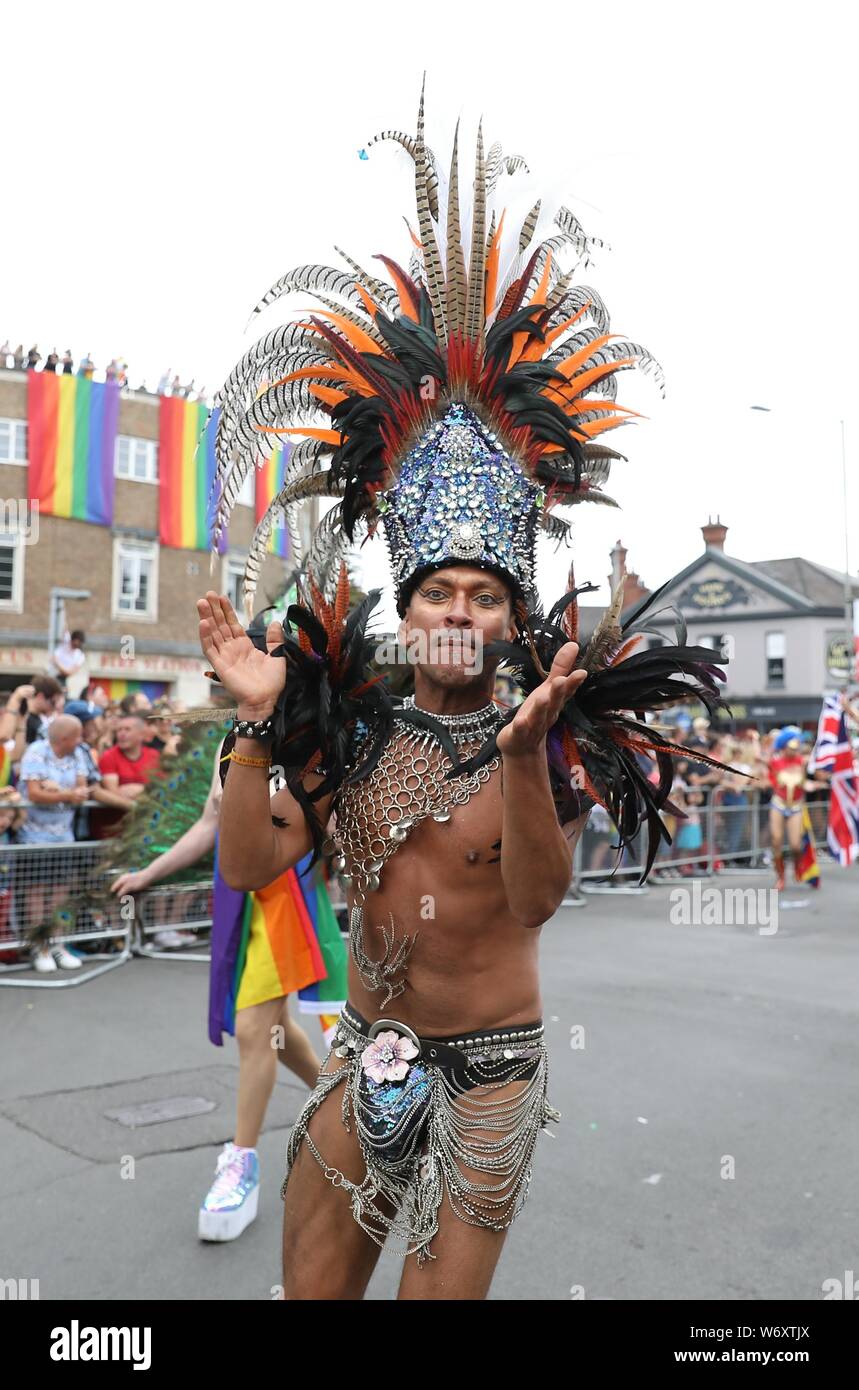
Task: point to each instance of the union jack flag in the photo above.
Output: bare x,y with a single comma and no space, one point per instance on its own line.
833,753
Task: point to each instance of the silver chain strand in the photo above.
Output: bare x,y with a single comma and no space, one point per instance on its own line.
376,815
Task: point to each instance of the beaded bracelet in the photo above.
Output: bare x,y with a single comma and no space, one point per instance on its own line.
247,762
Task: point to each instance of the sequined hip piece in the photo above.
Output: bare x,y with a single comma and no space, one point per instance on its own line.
428,1122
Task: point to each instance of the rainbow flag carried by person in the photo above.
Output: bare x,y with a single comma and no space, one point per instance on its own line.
186,470
282,940
72,426
268,483
806,870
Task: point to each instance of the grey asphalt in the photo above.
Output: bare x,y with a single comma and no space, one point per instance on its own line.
707,1148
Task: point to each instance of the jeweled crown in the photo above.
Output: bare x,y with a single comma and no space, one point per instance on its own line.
460,497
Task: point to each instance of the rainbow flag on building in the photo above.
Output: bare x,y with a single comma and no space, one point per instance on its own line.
268,483
72,425
186,471
118,689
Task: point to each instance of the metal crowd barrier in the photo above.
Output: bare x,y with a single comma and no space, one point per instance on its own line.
734,839
41,883
61,883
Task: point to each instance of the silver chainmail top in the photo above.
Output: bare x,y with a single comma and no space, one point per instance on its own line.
375,816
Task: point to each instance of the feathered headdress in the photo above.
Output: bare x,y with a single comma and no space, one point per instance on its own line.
460,401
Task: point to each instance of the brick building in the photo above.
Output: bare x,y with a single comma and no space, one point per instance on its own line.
140,619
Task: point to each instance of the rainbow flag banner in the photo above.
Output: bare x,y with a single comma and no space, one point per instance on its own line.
72,426
186,469
267,484
118,689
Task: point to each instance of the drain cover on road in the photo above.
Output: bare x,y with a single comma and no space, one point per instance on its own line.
155,1112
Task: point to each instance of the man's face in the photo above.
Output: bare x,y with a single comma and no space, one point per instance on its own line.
452,614
129,733
65,743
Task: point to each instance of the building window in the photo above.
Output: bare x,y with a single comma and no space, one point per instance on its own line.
136,459
135,579
234,569
11,571
775,653
13,441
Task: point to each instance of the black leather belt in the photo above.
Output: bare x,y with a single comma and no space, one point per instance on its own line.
444,1051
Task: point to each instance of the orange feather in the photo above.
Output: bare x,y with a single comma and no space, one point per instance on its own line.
361,341
493,256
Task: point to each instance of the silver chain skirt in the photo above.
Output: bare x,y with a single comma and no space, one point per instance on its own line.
434,1131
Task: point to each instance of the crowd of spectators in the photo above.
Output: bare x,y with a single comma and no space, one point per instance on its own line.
723,816
73,768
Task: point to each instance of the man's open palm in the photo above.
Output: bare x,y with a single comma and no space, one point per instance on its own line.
251,676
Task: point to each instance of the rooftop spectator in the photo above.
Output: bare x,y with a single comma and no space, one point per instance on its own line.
33,356
68,362
87,367
5,354
18,358
164,383
51,361
176,386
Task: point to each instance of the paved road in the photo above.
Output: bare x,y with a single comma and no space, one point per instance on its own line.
705,1046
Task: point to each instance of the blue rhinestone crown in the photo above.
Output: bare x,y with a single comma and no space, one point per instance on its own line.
461,497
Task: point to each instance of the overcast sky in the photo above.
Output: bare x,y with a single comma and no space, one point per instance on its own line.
165,163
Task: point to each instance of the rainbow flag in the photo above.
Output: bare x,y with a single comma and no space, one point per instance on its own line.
5,768
186,471
72,425
118,689
267,484
265,945
806,870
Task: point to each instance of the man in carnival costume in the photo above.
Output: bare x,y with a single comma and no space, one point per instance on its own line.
467,400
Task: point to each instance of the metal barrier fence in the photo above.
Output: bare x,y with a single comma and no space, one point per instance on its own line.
63,884
734,837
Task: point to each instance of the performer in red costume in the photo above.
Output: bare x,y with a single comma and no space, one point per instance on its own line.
788,777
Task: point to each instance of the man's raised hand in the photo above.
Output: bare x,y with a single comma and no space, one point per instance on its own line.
252,678
535,716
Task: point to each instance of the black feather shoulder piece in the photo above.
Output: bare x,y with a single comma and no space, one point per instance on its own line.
601,749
